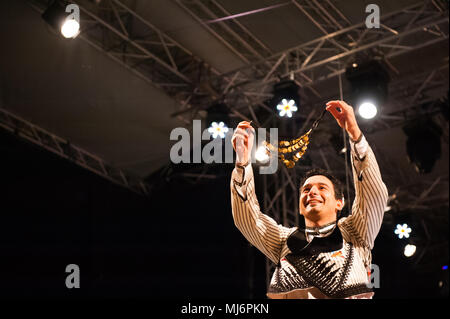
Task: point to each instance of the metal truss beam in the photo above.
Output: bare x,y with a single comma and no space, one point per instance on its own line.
317,61
231,33
156,57
73,153
146,51
367,39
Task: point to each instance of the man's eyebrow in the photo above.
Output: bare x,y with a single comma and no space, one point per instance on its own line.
309,184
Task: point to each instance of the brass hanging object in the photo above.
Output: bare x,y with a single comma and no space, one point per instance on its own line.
289,152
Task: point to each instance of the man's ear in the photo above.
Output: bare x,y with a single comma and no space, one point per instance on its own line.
340,204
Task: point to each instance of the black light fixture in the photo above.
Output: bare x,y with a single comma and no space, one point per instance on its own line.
424,144
369,87
58,18
286,98
444,106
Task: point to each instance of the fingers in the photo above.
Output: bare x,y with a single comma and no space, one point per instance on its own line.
341,104
335,111
239,138
246,125
241,132
240,135
339,109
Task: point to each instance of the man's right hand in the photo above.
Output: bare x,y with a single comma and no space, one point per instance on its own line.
242,141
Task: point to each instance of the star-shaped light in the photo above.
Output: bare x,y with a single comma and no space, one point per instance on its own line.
287,107
402,231
218,129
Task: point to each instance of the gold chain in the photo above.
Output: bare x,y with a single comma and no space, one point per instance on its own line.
289,152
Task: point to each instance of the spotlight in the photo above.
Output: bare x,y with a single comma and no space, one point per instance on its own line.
410,250
57,17
218,120
70,28
369,87
423,145
218,129
286,97
367,110
287,107
402,231
261,154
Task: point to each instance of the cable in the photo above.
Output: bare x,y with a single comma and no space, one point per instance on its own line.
344,134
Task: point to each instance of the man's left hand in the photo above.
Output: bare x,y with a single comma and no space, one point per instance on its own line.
345,116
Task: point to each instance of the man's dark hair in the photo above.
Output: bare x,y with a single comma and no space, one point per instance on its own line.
338,188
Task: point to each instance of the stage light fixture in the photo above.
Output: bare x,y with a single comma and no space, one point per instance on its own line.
409,250
423,145
261,154
57,17
70,28
369,87
367,110
286,98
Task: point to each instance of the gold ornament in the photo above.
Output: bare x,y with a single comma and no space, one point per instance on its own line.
289,152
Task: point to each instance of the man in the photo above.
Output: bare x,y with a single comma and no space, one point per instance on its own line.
331,258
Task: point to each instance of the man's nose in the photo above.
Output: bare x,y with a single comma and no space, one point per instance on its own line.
313,190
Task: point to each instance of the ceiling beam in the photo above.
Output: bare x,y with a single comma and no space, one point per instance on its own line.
63,148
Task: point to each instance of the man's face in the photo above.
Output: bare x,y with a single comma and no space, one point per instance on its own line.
317,199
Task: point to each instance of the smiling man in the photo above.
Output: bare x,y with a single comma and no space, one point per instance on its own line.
331,256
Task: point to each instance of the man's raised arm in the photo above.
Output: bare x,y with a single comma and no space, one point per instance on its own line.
259,229
370,192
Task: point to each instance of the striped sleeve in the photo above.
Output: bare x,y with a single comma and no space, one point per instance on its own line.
370,195
259,229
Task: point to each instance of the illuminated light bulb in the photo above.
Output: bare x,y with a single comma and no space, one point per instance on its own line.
287,107
402,231
261,154
367,110
410,250
70,28
218,130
